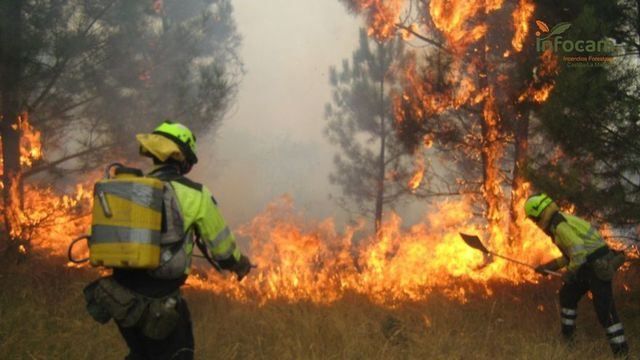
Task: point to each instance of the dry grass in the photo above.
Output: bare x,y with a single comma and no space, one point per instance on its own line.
42,316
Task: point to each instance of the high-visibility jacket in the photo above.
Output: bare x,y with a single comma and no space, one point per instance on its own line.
195,213
576,239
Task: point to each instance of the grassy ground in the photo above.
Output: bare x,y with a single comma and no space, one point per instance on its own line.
42,316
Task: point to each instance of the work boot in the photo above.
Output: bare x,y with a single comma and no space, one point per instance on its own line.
620,351
569,335
619,347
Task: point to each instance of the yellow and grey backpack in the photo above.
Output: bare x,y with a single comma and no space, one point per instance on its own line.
136,224
126,220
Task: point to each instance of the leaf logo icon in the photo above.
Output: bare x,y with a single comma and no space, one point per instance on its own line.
542,26
556,30
560,28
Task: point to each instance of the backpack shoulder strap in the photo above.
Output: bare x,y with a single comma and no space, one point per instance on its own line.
188,183
556,219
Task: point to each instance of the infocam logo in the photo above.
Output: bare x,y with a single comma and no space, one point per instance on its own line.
552,39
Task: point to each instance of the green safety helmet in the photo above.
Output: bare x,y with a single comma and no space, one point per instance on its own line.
536,204
182,136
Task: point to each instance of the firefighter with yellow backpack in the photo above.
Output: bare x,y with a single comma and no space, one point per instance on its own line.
590,267
145,229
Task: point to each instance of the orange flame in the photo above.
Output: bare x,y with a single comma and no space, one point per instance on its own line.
418,175
521,18
47,219
452,18
301,260
382,16
30,145
50,220
542,84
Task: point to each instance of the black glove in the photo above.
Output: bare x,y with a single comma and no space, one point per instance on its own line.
242,267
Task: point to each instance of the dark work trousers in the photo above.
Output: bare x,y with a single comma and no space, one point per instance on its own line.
177,346
572,292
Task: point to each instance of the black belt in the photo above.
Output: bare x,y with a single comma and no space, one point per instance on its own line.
600,252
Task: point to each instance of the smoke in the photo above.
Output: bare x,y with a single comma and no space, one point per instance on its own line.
273,143
247,171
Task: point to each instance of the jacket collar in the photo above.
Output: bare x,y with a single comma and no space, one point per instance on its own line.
165,172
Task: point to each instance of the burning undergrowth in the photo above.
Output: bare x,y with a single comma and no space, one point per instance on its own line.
43,217
299,259
302,260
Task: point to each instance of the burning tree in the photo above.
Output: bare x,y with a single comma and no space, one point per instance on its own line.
40,213
373,166
79,72
475,93
472,92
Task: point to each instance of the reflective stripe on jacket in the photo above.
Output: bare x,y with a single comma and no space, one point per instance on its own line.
199,213
576,239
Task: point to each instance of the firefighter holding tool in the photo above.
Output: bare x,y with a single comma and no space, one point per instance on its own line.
590,266
144,227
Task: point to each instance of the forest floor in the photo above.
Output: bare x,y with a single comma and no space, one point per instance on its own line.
42,316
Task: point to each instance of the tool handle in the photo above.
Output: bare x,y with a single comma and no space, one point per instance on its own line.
513,260
554,273
550,272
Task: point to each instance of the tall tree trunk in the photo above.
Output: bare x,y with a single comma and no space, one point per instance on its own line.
516,214
491,152
381,158
492,149
10,75
638,24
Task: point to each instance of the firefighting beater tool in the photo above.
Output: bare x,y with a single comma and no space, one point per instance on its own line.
474,242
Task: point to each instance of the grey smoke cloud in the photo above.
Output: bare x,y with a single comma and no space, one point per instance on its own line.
272,142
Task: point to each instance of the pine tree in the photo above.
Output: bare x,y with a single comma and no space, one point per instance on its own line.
593,121
372,167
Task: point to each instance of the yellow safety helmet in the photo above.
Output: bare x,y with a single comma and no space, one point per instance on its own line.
170,140
536,204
